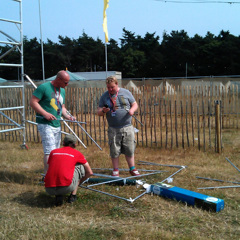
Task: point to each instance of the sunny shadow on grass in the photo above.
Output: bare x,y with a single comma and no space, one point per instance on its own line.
35,200
14,177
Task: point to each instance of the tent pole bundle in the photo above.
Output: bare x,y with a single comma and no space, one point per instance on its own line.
120,182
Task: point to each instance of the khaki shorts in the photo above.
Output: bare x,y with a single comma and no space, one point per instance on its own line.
79,173
121,140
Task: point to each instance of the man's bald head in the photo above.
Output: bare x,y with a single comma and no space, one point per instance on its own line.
62,79
63,75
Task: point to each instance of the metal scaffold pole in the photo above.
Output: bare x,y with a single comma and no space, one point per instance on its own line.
16,46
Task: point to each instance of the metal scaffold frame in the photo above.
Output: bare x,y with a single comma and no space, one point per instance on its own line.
15,45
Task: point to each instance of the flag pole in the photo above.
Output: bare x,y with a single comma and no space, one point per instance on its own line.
106,59
105,2
43,70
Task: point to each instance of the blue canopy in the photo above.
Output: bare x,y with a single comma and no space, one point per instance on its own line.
73,77
2,80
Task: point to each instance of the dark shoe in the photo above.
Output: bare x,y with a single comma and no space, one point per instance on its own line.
42,180
72,198
59,200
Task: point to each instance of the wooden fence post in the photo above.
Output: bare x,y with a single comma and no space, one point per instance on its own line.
218,135
176,128
182,124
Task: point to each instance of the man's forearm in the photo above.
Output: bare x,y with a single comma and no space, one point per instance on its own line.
133,108
100,112
87,175
38,109
64,112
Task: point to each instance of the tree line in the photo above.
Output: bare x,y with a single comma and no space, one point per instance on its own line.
175,55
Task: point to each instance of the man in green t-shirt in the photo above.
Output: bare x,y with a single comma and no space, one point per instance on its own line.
48,101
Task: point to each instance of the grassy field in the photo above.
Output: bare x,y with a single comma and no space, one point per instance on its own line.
27,212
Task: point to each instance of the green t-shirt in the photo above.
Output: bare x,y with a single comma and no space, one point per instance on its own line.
50,101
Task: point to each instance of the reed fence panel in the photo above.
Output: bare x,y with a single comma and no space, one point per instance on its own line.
171,117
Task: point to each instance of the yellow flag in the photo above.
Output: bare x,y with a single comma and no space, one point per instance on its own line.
105,19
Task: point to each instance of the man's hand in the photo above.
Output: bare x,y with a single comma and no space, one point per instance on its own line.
105,109
130,112
71,118
49,116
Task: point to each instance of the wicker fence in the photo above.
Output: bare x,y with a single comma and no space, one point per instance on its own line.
171,117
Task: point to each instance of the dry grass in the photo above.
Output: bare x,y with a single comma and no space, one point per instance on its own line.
27,212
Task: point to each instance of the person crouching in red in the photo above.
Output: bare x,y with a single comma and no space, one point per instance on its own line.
67,168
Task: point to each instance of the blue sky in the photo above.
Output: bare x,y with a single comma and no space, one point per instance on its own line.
73,17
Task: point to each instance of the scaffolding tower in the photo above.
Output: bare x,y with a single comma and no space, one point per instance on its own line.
14,45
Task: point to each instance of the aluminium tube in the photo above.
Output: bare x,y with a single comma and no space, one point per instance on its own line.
232,164
18,125
119,178
106,193
86,132
74,134
235,186
126,170
173,174
63,120
217,180
135,118
139,196
157,164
